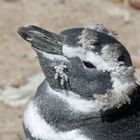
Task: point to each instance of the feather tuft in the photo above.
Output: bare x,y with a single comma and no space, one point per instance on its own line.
101,28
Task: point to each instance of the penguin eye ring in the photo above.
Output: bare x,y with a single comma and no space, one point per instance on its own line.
88,64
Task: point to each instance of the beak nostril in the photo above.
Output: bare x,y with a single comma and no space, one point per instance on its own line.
88,65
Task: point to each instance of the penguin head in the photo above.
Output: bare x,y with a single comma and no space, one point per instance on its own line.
90,62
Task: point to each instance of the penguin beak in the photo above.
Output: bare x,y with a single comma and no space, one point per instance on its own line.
41,39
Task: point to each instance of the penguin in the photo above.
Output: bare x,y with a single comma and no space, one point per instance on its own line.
89,91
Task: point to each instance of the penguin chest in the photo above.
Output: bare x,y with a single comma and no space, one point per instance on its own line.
36,128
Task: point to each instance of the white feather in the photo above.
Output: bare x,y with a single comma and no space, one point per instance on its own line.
74,101
39,129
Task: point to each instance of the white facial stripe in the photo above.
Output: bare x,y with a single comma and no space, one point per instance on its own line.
84,55
121,76
105,62
75,102
99,61
73,52
39,129
116,97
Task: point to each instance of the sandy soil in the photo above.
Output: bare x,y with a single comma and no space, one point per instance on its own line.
18,60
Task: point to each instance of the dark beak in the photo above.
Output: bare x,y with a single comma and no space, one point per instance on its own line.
41,39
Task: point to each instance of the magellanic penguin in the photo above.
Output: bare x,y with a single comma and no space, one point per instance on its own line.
89,91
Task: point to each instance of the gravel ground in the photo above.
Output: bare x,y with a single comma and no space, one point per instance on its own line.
17,59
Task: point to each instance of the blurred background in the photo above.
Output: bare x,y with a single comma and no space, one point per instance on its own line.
20,72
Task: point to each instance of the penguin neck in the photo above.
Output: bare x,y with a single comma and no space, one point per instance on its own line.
66,112
67,115
124,111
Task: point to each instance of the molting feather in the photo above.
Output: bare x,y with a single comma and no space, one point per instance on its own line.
101,28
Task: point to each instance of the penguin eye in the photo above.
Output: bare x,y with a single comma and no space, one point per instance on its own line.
121,58
88,64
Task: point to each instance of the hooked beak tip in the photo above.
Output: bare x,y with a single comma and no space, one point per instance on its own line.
23,32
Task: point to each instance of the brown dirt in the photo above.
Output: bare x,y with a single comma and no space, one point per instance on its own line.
17,59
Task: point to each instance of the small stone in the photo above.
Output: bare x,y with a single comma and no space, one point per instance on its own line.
135,4
19,82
